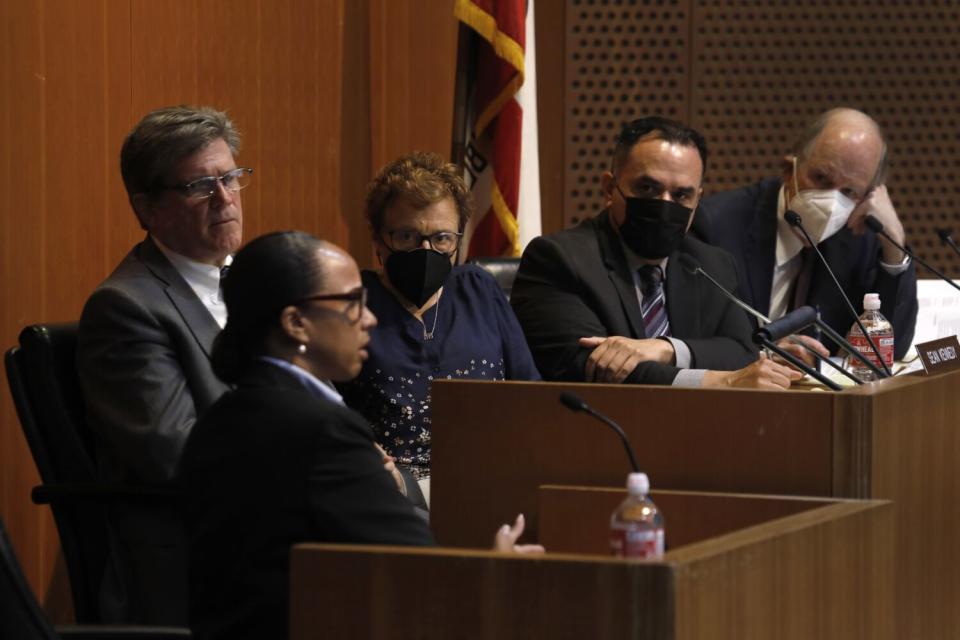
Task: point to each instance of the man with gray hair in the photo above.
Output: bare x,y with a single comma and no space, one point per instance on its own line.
833,178
145,339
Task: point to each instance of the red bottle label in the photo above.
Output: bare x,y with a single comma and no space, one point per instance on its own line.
884,342
633,542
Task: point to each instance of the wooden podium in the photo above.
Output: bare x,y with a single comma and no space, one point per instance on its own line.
738,567
494,444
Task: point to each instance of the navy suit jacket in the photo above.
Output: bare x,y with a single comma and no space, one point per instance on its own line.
744,222
271,465
577,283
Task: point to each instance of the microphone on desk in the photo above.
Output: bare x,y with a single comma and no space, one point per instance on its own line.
877,227
947,239
794,220
575,404
690,265
793,322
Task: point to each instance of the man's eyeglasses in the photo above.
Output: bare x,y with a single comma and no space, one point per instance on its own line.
206,187
353,311
406,240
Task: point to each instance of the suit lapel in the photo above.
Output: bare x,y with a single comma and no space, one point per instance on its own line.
195,316
619,273
761,247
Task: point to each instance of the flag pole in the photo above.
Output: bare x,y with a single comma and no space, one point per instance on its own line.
465,62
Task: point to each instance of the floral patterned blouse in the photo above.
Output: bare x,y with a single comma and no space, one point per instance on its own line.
476,336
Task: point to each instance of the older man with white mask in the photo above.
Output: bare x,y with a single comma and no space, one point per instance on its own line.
833,179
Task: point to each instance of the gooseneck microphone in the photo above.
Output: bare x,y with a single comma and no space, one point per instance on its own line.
794,220
692,266
947,239
793,322
877,227
575,404
797,320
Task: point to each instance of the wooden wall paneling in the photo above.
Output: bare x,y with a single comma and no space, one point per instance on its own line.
413,57
23,229
623,60
116,223
301,119
550,29
74,146
355,138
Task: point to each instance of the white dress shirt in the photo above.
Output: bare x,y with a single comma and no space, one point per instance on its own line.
203,278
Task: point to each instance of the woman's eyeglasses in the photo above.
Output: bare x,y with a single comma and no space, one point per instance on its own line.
357,300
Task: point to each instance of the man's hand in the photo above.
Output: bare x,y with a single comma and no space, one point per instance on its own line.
878,204
614,357
762,374
506,538
795,349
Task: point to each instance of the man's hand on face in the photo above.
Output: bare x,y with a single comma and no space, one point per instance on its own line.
613,358
878,204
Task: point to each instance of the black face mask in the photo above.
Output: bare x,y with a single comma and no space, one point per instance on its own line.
417,274
653,228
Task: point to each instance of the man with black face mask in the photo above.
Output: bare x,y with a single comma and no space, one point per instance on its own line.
611,301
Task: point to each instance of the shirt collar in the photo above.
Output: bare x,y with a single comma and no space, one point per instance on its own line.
789,245
203,278
315,385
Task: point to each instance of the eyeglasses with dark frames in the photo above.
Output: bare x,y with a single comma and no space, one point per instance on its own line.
206,187
407,240
353,311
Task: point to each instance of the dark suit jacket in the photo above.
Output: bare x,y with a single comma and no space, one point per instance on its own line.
744,222
143,357
577,283
269,466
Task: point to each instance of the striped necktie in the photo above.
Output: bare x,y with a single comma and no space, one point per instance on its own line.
655,322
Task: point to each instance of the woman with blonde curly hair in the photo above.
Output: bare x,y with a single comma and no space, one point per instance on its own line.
436,320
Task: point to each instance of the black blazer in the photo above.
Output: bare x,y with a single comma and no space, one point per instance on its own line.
269,466
577,283
744,222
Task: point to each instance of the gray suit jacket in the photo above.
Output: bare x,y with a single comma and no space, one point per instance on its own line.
144,363
143,356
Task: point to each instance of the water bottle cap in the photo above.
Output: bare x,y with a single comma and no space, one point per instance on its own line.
638,484
871,301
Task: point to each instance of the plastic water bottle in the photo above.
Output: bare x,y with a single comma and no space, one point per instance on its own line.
636,527
880,330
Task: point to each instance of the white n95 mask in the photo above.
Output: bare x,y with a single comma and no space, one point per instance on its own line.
823,211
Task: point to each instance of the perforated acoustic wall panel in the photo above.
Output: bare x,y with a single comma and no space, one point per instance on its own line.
623,59
749,74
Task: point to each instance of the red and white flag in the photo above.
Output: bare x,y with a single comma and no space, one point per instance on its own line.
501,161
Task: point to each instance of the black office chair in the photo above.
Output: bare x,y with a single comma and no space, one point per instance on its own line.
46,392
504,271
22,619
